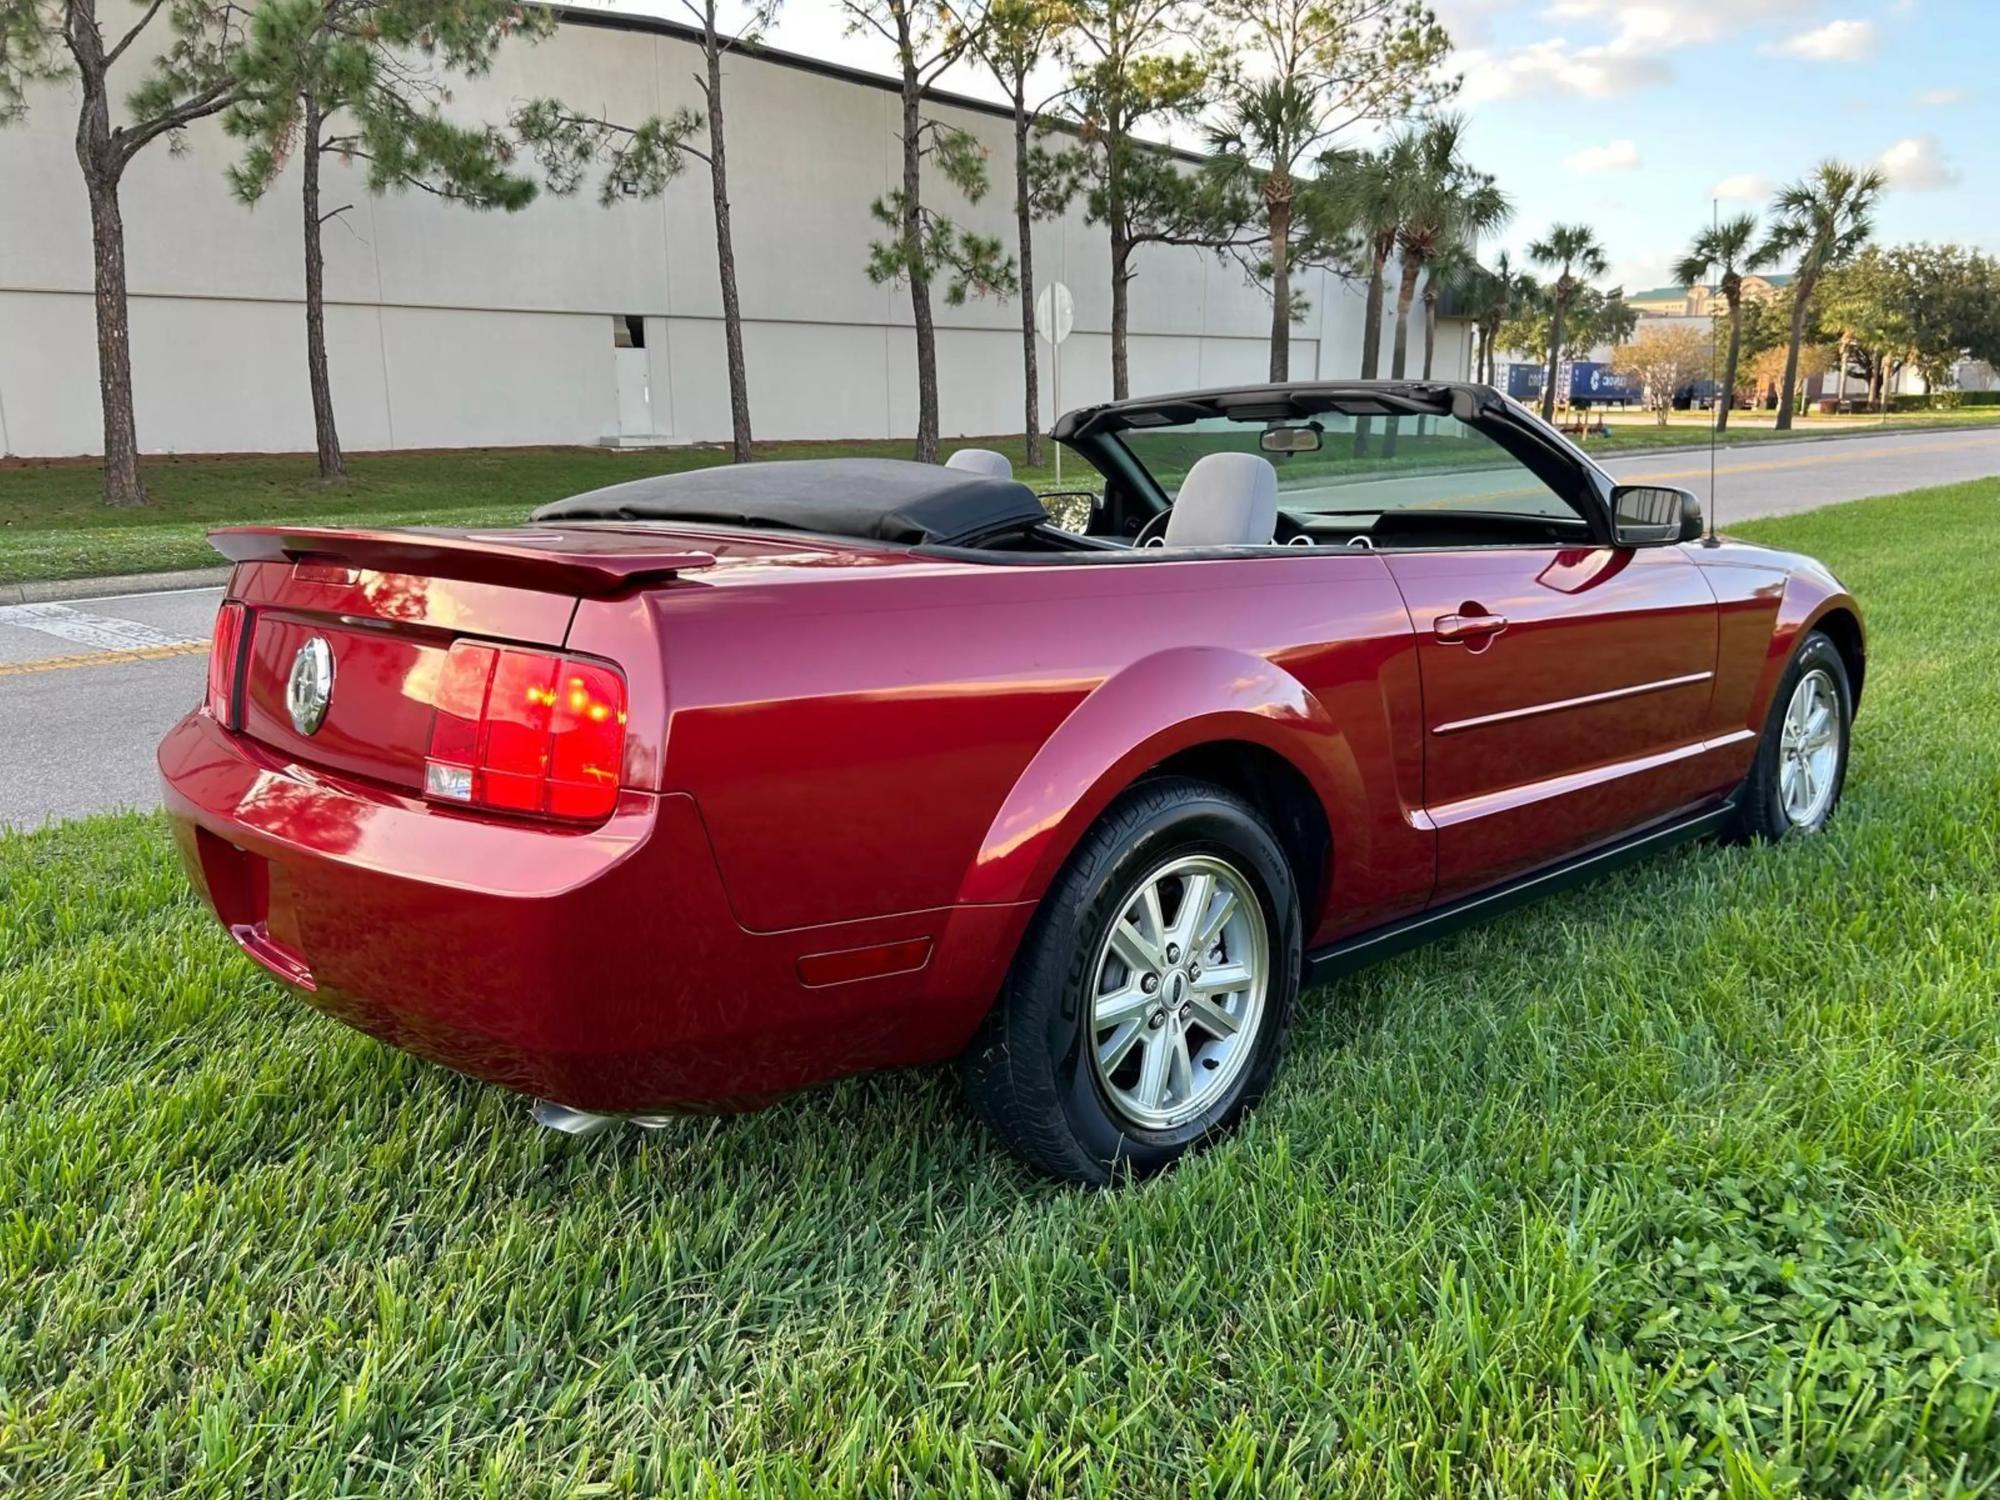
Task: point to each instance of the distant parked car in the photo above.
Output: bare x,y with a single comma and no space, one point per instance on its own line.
705,787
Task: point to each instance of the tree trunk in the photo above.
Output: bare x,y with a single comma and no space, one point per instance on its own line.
326,437
102,168
1802,291
1278,205
1371,316
1024,230
1121,259
1726,397
1555,357
1430,329
1406,295
725,258
1877,363
1371,335
1399,353
920,281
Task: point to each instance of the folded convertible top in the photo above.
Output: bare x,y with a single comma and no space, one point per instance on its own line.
879,499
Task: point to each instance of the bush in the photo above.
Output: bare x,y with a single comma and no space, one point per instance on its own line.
1944,400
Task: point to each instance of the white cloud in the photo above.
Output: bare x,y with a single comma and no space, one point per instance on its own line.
1470,22
1837,41
1940,98
1742,187
1641,273
1648,27
1918,163
1554,66
1613,156
1636,38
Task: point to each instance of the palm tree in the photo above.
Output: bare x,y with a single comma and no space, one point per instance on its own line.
1498,295
1572,252
1824,219
1364,191
1445,202
1451,268
1726,248
1270,127
1359,195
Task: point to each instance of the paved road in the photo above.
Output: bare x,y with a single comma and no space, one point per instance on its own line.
1777,479
88,688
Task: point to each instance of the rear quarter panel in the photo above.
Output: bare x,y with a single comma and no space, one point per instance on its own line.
903,738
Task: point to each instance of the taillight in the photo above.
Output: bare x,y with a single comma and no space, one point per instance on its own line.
225,650
527,732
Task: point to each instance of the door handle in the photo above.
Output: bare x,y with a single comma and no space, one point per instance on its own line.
1452,629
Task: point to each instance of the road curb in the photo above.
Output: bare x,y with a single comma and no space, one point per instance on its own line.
55,590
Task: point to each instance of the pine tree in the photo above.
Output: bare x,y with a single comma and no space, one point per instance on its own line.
929,36
177,65
639,160
365,80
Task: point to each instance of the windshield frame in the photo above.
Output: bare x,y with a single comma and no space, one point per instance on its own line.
1096,433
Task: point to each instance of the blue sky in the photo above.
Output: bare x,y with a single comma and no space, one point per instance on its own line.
1631,115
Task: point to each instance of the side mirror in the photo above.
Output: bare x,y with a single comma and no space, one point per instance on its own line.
1646,515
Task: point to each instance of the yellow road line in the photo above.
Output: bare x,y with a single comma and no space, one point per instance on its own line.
1799,460
102,658
1445,502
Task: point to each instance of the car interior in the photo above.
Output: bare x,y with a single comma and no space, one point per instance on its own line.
1362,468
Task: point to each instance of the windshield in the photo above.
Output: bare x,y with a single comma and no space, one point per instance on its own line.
1335,464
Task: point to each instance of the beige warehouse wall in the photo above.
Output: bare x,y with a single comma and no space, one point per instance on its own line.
450,328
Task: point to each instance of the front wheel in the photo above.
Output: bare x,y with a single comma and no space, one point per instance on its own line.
1801,765
1152,997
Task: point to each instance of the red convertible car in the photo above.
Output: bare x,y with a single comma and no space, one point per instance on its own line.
708,786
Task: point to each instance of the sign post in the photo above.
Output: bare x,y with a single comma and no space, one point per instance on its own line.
1055,316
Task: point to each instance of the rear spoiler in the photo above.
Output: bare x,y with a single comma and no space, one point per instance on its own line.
594,565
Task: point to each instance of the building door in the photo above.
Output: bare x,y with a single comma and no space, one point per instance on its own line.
635,388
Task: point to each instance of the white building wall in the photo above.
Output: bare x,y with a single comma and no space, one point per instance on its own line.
454,328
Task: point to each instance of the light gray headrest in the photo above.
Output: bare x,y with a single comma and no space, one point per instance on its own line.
1227,500
981,461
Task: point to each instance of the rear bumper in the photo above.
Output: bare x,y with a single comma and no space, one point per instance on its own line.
603,968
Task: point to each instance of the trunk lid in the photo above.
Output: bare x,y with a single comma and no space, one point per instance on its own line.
388,605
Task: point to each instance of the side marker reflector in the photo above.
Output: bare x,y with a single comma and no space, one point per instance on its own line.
849,964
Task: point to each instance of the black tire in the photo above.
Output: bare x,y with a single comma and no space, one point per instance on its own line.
1029,1072
1760,811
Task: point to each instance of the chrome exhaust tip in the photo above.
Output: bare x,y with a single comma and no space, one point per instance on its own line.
552,1116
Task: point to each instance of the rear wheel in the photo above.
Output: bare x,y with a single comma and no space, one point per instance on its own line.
1801,765
1152,997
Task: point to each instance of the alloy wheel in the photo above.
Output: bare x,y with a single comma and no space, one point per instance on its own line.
1178,991
1809,749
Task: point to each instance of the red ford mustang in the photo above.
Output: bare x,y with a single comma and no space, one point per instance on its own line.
709,786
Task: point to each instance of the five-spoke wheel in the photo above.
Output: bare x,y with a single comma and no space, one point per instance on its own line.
1179,991
1150,1001
1801,764
1809,749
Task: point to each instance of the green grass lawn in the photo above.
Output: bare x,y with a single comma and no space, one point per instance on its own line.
53,524
1685,1183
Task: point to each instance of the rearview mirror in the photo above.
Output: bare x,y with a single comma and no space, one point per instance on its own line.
1290,440
1644,515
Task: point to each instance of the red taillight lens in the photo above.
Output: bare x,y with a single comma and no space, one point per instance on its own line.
224,652
528,732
